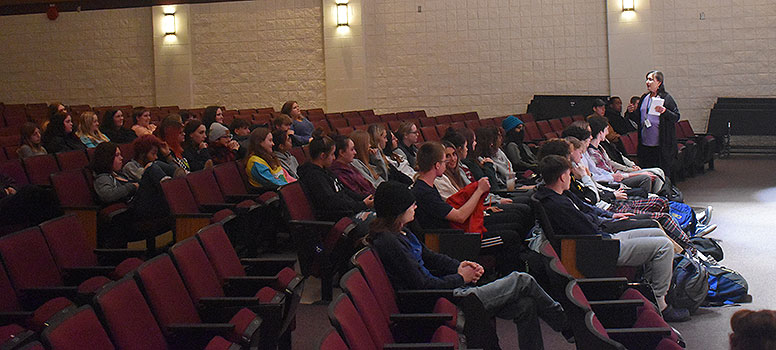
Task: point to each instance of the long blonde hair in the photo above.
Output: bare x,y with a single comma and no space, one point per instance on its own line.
361,141
85,122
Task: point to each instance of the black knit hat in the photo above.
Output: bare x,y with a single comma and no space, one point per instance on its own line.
392,199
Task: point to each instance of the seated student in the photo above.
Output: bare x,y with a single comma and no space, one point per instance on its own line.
599,128
194,146
303,128
517,152
53,108
213,114
361,160
112,125
186,116
604,170
59,135
407,135
241,133
753,330
142,120
571,216
409,265
284,123
31,141
89,130
656,208
222,148
330,199
343,167
146,149
397,159
378,141
170,132
145,198
621,125
282,150
263,168
26,205
454,179
503,228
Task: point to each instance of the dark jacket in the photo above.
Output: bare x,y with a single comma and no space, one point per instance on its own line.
197,157
667,131
569,215
410,152
6,182
330,199
620,124
121,135
63,144
406,273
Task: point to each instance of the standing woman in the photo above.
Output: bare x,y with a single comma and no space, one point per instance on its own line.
303,127
89,130
194,146
59,135
657,132
112,125
142,119
31,141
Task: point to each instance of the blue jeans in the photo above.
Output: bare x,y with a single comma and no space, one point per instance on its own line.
518,297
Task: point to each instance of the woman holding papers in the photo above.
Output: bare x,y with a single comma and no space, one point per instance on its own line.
657,115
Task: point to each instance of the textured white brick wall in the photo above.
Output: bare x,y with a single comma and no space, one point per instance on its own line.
491,56
732,53
95,57
258,53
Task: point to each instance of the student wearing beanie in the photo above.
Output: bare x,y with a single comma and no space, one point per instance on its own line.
519,154
409,263
221,146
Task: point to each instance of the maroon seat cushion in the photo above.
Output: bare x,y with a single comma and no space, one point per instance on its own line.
266,294
93,284
444,306
50,308
445,335
218,343
9,331
244,325
125,267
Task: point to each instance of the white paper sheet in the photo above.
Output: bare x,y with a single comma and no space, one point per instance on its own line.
656,101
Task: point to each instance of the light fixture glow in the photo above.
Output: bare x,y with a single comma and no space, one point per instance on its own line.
627,5
342,13
168,24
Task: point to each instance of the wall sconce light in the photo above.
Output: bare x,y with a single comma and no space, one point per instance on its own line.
168,24
627,5
342,12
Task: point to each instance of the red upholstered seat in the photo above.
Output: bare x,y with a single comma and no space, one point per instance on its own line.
77,330
39,168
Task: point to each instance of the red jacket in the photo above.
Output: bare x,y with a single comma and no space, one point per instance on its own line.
475,222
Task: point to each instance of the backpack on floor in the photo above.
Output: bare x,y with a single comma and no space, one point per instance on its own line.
689,283
684,216
708,246
726,286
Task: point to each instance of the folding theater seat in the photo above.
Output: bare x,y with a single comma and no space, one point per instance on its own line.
130,323
427,121
323,247
415,327
13,168
544,127
429,133
332,341
170,302
67,242
556,125
471,116
354,120
480,330
578,118
13,336
219,343
79,329
472,124
616,320
566,121
532,132
707,143
402,116
350,324
298,153
208,294
34,274
72,160
39,168
388,117
458,117
444,119
338,122
370,119
248,274
14,315
419,114
230,180
187,214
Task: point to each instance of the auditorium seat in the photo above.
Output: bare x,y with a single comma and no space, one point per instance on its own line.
73,160
406,116
337,123
471,116
556,125
388,117
472,124
427,121
444,119
39,168
78,329
566,121
355,120
429,133
419,114
187,216
13,168
345,130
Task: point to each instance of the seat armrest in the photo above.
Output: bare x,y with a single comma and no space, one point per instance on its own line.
248,285
639,338
325,224
616,313
266,266
606,288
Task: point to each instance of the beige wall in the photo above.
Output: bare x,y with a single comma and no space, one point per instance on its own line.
491,56
94,57
258,53
731,53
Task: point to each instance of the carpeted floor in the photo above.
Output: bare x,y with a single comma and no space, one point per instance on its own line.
742,190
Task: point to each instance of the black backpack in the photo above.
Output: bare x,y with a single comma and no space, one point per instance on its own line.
708,246
689,284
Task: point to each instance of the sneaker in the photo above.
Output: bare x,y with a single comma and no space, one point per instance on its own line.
671,314
705,217
703,230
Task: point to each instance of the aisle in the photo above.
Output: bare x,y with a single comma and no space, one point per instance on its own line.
743,193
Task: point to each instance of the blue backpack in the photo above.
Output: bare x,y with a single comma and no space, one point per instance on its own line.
684,216
726,286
